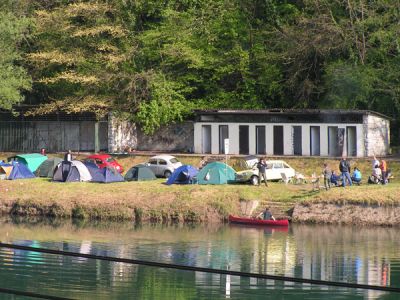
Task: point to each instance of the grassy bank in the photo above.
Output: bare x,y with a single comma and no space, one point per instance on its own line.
158,202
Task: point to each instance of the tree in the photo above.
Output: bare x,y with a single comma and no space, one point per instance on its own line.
14,79
82,54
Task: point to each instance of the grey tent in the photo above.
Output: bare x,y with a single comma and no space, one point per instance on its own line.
69,171
139,173
46,169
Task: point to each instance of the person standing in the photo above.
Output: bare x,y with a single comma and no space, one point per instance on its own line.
344,168
327,176
68,156
375,162
262,168
383,167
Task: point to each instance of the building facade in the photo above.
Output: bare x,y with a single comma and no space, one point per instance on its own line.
292,132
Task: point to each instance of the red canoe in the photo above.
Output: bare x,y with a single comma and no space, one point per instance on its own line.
250,221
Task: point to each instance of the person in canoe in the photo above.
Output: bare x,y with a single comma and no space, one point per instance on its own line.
266,215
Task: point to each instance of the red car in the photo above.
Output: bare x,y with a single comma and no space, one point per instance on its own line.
105,160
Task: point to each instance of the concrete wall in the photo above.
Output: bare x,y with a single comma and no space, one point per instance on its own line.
175,137
287,135
122,135
377,139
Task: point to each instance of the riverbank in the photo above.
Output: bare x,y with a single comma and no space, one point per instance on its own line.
155,201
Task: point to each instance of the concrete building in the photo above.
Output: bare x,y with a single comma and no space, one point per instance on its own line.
353,133
260,132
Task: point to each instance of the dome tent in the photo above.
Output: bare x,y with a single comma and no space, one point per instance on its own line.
139,173
71,171
46,169
216,173
103,175
20,171
183,175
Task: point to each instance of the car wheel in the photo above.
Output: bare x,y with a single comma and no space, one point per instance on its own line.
254,180
167,174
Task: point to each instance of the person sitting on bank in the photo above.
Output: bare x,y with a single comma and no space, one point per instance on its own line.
356,177
335,178
266,215
376,174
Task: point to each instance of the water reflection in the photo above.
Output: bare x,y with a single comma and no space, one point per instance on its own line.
348,254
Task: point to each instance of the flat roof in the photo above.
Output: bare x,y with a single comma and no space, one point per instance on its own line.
287,111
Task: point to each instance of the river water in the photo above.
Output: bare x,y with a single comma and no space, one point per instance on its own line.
366,255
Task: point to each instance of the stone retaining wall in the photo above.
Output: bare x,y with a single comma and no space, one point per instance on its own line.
357,214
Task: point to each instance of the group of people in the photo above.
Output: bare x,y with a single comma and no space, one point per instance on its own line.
380,174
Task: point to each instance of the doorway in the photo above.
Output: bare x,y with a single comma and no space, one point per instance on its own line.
351,141
278,140
243,139
223,134
297,140
260,140
206,139
314,141
333,141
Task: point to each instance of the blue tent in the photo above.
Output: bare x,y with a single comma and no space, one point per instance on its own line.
94,170
20,171
104,175
111,175
183,175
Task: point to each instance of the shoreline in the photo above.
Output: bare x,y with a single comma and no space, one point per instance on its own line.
156,202
135,202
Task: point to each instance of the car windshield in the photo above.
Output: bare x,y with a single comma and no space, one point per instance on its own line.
174,160
110,159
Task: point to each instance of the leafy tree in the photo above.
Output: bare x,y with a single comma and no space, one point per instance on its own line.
82,55
14,79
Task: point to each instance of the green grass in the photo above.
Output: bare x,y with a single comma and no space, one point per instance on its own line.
157,201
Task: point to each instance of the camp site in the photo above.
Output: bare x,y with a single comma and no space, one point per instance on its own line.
187,149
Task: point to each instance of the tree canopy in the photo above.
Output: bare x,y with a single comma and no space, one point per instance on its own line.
153,62
14,78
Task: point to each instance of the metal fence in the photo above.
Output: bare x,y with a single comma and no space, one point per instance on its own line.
54,136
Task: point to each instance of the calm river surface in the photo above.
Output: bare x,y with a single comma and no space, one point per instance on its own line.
368,255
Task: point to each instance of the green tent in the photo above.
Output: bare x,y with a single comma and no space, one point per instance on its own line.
139,173
31,160
216,173
46,169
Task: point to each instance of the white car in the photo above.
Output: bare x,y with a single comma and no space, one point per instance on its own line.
163,165
274,171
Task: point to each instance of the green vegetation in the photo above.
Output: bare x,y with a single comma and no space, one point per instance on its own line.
13,77
152,62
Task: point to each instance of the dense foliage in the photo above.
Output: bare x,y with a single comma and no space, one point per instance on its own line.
13,77
153,61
